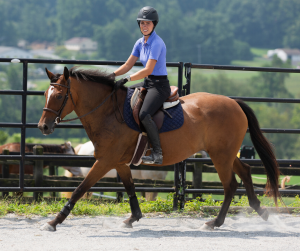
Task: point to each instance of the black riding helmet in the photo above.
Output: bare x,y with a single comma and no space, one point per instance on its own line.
148,13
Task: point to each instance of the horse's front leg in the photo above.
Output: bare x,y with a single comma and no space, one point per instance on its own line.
95,174
136,214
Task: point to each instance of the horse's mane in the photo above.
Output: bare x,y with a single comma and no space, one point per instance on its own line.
97,76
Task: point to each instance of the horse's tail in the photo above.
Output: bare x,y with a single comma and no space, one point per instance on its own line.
264,150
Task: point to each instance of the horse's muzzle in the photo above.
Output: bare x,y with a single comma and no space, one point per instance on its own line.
46,129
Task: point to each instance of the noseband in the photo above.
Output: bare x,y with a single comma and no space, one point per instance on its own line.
59,112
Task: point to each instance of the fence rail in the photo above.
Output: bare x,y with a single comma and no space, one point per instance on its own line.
62,184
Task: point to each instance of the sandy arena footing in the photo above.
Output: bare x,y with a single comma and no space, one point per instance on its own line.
280,232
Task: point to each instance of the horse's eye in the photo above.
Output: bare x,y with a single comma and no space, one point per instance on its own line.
59,97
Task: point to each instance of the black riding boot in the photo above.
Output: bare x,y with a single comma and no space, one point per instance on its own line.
156,154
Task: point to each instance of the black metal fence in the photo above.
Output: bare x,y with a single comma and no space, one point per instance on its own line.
179,169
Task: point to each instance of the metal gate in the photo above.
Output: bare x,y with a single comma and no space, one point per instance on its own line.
179,169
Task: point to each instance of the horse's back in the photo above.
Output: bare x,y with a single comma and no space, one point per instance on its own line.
211,123
213,109
12,147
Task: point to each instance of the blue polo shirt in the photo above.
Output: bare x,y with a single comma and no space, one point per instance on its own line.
154,48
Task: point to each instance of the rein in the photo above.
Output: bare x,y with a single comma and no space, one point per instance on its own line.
59,112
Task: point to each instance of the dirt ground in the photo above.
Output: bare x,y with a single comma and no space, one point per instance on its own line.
281,232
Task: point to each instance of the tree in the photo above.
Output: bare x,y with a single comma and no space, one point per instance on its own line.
242,51
7,28
292,38
10,110
272,117
219,83
110,37
212,32
260,23
3,137
272,84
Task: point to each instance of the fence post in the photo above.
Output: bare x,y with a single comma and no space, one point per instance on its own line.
182,180
5,171
180,184
176,181
52,172
120,195
38,172
197,176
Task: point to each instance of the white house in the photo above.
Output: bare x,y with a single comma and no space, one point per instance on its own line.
285,54
12,52
81,44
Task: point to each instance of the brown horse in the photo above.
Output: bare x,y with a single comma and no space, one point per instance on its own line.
214,123
65,148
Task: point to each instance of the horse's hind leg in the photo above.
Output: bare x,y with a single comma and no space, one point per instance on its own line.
244,172
230,185
136,214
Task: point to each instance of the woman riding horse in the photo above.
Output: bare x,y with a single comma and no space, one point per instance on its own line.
213,123
151,50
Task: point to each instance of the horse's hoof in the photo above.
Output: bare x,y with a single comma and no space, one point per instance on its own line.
48,227
206,227
265,215
126,225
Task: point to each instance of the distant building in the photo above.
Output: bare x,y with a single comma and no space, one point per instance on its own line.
285,54
22,43
47,54
13,52
43,46
81,44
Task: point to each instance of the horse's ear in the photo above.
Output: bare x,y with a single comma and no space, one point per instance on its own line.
49,74
68,144
66,73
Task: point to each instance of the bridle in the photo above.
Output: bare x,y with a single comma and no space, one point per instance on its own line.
59,112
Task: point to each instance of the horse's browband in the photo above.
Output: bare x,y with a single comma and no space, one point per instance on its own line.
67,86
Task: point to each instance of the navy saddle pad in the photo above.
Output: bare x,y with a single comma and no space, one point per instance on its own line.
169,124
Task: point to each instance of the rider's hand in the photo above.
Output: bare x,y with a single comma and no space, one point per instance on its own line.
112,76
120,83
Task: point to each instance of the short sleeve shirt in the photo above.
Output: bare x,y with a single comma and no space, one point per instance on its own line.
154,48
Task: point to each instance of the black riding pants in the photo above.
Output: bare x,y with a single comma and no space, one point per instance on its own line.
159,90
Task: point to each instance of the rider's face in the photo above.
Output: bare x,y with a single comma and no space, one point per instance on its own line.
146,27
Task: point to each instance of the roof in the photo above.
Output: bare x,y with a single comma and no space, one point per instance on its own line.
77,40
14,50
6,48
291,51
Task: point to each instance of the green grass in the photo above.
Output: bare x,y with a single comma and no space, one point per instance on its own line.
292,83
256,62
258,52
108,208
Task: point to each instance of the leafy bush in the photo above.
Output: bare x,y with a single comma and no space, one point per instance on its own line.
3,137
242,50
16,137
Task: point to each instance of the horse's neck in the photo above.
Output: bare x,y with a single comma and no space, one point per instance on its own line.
90,95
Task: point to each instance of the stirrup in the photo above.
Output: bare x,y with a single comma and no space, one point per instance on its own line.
152,160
